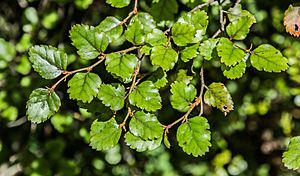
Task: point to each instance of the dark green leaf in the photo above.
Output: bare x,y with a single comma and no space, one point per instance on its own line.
112,96
183,33
105,135
230,55
182,96
267,58
291,157
121,65
164,10
42,104
89,41
141,145
48,61
118,3
189,52
218,96
146,126
163,57
194,136
146,96
236,71
84,86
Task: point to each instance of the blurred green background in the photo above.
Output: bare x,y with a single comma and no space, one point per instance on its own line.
248,141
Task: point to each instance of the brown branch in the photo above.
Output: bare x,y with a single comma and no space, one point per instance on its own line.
133,12
129,113
201,90
200,6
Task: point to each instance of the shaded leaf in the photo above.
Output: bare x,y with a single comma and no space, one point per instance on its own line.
121,65
163,57
41,105
139,144
194,136
146,126
146,96
48,61
206,48
112,96
236,71
189,52
164,9
182,96
291,157
104,135
84,86
89,41
183,33
218,96
159,78
267,58
230,55
118,3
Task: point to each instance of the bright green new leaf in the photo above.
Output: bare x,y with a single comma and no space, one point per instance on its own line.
146,96
237,12
182,76
218,96
166,141
118,3
194,136
48,61
189,52
42,104
121,65
112,96
164,9
267,58
89,41
84,86
239,28
156,37
199,20
163,57
230,55
236,71
105,135
141,145
182,96
207,47
111,27
146,126
291,157
145,50
140,25
183,33
159,78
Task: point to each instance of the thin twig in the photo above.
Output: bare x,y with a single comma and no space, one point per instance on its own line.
200,6
133,12
129,113
201,90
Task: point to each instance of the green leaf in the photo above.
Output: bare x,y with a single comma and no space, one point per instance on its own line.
230,55
237,12
145,50
89,41
239,28
48,61
236,71
141,145
111,27
267,58
199,20
156,37
104,135
7,51
112,96
189,52
194,136
183,33
207,47
166,141
146,96
84,86
182,96
146,126
138,28
291,157
121,65
163,57
164,10
42,104
159,78
218,96
118,3
183,77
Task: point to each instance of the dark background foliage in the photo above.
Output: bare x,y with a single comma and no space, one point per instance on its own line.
248,141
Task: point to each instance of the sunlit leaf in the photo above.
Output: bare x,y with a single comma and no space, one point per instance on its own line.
156,37
112,95
104,135
183,33
189,52
84,86
139,144
159,78
163,57
42,104
206,48
48,61
236,71
118,3
239,28
237,12
194,136
291,157
111,27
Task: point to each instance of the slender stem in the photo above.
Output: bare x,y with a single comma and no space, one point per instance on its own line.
133,12
129,113
136,72
200,6
128,50
201,90
217,33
